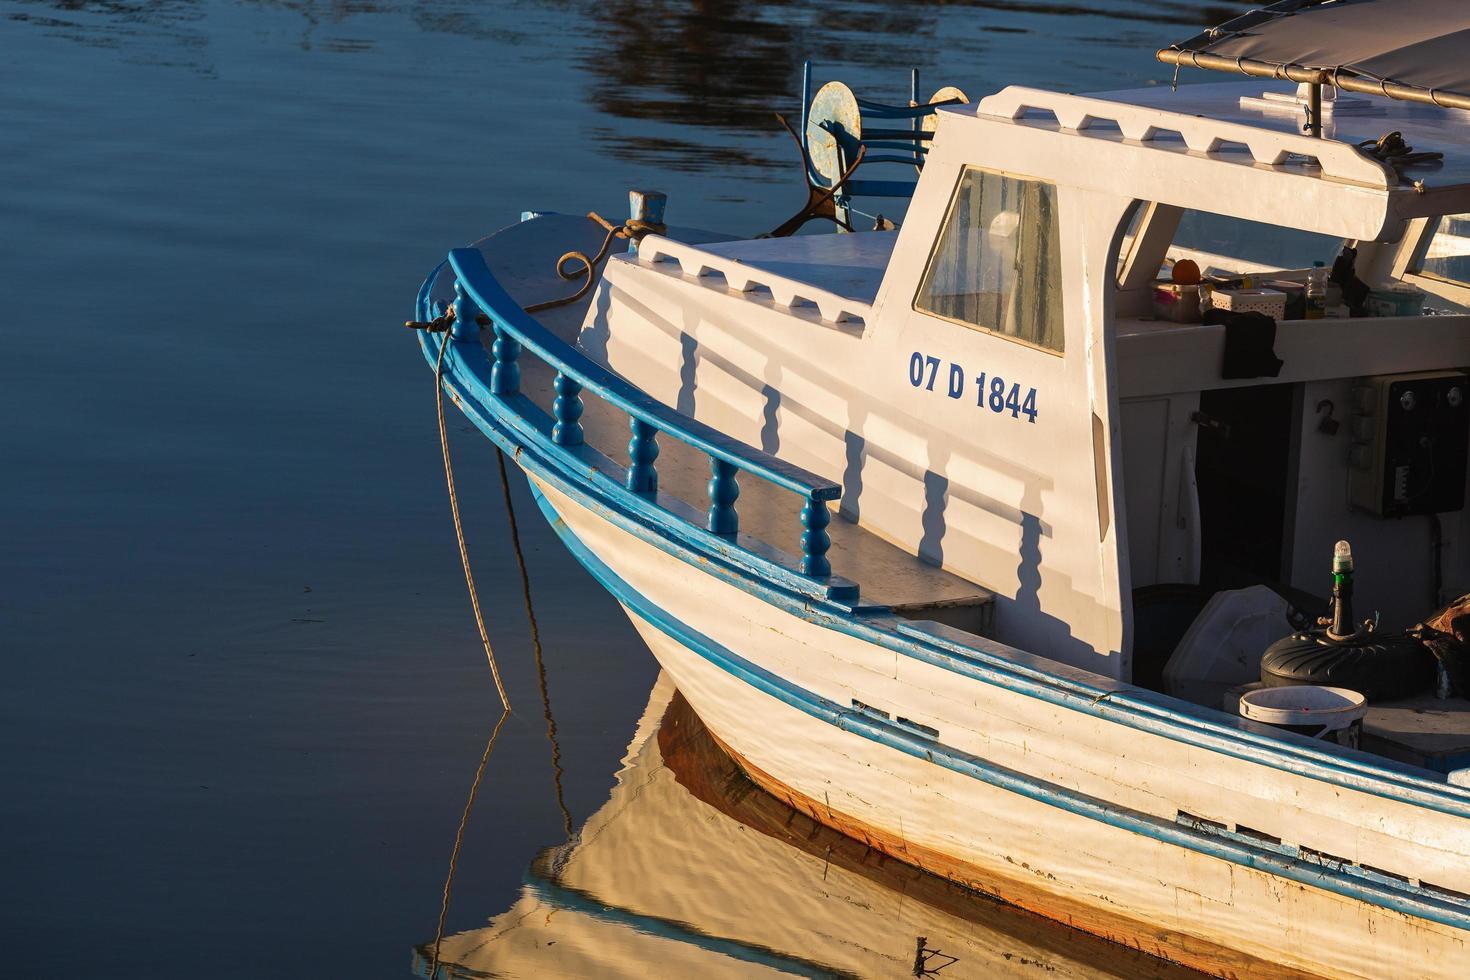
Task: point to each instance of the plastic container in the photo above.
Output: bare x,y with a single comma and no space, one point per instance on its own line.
1334,714
1268,301
1176,302
1394,301
1316,305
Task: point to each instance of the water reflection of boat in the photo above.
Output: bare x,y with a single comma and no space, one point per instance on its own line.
690,870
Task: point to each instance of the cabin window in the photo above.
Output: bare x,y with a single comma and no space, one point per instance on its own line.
1448,255
1239,245
997,266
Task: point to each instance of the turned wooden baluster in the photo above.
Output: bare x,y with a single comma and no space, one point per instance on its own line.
814,540
505,372
642,451
722,493
567,408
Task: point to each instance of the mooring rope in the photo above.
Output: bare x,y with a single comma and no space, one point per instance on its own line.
515,539
464,553
469,578
444,324
633,230
464,820
1394,151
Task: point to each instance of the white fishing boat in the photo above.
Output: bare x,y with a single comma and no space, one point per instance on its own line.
1094,426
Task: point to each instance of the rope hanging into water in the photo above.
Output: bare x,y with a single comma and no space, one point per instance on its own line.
635,230
464,820
515,540
464,553
442,324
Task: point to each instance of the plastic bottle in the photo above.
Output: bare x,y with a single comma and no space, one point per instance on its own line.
1316,298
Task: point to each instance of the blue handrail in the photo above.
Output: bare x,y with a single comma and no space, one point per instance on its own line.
514,329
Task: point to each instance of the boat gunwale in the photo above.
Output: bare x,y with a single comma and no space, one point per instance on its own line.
528,440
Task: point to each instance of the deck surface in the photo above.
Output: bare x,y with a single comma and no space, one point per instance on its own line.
851,266
1423,730
522,257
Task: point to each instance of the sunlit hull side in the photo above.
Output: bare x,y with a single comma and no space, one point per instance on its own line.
1054,810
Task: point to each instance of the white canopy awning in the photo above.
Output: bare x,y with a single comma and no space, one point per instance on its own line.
1416,50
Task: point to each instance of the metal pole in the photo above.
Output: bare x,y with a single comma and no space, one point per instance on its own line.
1314,109
914,102
806,99
1296,73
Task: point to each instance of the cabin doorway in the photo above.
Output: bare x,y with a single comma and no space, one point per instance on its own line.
1242,467
1242,442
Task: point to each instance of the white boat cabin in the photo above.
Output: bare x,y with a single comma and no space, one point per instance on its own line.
996,393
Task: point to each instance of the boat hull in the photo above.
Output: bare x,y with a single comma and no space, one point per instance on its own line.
996,813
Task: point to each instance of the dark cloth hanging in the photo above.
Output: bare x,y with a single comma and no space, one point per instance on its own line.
1250,341
1344,273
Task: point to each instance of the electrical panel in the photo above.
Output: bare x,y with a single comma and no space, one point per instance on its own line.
1411,437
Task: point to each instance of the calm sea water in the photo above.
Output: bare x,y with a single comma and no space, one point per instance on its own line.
243,695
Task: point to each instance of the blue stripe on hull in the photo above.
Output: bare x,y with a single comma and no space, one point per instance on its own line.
1406,899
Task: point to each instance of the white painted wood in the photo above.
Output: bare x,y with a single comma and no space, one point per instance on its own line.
889,575
1457,293
851,266
1158,357
703,264
1073,858
1081,752
1424,730
1446,185
1202,134
1291,194
1156,229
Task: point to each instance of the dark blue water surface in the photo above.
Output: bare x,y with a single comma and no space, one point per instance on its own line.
243,695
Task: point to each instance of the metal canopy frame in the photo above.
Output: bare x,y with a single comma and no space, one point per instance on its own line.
1345,78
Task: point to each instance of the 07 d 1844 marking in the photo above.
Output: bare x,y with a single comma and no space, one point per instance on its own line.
991,391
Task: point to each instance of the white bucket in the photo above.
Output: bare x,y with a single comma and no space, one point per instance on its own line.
1334,713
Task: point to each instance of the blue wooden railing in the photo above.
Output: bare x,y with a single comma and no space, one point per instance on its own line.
477,290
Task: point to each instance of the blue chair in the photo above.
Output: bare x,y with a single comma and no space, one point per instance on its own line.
834,142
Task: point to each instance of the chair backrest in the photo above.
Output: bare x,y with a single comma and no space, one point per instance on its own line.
836,124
